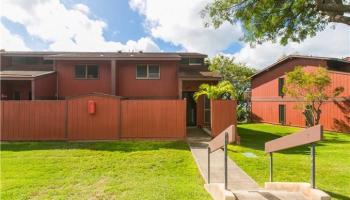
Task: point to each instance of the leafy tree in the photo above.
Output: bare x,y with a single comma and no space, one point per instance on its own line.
269,20
239,75
223,90
313,88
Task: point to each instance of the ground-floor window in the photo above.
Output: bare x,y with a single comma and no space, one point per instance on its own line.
282,114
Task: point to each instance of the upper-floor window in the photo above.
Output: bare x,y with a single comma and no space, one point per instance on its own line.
192,61
147,71
86,71
21,60
280,86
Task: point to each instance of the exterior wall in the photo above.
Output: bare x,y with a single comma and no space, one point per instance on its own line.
265,99
335,115
6,64
45,87
129,86
9,87
68,85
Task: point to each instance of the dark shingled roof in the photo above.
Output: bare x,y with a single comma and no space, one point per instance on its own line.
51,55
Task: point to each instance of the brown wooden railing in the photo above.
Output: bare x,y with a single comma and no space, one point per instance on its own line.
227,136
306,136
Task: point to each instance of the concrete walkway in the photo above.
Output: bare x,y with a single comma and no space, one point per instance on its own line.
239,183
237,178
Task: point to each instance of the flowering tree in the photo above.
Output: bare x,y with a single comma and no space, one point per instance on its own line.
312,88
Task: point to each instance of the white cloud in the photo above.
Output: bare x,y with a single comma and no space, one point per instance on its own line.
332,42
82,8
66,29
11,41
180,23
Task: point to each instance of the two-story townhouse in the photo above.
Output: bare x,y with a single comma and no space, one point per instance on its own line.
271,105
134,75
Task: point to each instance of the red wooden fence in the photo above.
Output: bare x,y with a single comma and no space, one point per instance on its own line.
33,120
223,114
153,119
102,125
114,118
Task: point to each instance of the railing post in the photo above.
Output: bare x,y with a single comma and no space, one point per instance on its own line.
225,158
271,167
312,177
208,165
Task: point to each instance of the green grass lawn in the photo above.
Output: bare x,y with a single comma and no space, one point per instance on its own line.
99,170
332,158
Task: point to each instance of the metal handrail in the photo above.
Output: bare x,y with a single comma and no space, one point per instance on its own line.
222,140
307,136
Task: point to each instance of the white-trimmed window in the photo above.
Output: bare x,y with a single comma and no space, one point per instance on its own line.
147,71
85,71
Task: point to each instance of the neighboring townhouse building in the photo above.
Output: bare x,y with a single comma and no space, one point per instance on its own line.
133,75
271,105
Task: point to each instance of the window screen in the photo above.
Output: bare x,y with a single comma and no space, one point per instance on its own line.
282,114
80,71
280,86
92,71
141,71
86,71
153,71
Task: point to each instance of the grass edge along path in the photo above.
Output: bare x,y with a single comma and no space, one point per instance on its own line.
293,165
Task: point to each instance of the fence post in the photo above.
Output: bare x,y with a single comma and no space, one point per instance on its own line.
225,158
271,167
312,177
208,165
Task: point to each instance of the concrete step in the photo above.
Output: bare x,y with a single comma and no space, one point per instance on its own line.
268,195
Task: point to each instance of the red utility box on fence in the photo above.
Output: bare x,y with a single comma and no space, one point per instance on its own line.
91,107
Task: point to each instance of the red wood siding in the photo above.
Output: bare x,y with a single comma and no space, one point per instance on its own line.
68,85
265,99
266,84
32,120
153,119
45,87
223,114
129,86
103,125
335,116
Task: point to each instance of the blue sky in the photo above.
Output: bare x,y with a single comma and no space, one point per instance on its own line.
148,25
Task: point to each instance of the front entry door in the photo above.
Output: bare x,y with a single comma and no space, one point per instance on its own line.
191,108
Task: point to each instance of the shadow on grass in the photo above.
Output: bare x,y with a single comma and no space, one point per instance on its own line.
336,195
122,146
255,139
